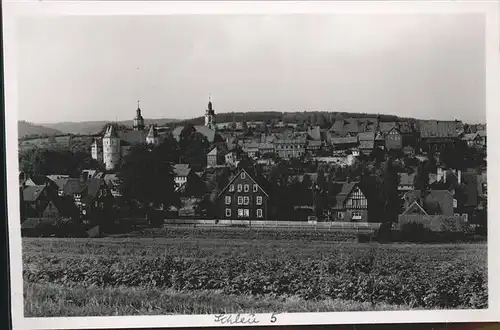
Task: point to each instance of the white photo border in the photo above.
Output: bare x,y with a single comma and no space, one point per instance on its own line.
14,9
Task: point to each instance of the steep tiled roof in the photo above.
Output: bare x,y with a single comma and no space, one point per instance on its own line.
438,129
344,140
132,137
366,136
435,202
32,193
111,132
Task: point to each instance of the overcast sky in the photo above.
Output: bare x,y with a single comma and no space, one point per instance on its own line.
85,68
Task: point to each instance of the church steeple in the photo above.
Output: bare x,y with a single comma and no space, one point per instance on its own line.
210,114
138,120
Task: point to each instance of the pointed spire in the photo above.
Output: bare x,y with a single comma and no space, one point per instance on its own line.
209,102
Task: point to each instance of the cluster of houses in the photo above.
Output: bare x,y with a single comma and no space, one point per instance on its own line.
243,197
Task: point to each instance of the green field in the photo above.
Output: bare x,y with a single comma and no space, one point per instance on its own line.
193,274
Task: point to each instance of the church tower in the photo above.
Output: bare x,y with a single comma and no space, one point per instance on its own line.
138,120
210,115
111,148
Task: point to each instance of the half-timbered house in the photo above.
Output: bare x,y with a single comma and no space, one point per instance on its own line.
350,203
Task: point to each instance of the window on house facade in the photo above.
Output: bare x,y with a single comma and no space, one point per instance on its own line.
246,200
340,215
356,215
259,213
228,199
243,176
259,200
247,213
255,188
240,213
240,187
247,188
231,188
240,200
228,212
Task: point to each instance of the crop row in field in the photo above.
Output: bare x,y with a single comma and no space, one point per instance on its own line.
368,275
247,233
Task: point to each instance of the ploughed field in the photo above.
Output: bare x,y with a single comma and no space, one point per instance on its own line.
186,271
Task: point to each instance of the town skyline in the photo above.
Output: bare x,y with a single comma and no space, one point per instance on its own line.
419,66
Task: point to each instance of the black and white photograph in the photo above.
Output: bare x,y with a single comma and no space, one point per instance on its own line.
250,166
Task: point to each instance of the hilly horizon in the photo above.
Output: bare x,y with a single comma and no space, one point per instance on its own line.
92,127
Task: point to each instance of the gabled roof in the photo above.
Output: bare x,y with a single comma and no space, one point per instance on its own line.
481,132
235,177
345,189
38,180
61,182
213,152
435,201
32,193
414,205
470,136
385,127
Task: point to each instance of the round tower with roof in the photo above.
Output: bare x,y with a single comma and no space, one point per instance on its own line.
210,115
111,148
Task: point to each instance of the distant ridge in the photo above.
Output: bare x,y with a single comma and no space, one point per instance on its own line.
93,127
26,129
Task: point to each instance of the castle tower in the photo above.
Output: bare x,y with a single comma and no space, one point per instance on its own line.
152,137
210,115
111,148
96,150
138,120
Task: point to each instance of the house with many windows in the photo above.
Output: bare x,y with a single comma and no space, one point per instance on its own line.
243,198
